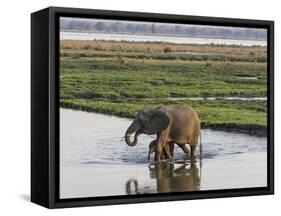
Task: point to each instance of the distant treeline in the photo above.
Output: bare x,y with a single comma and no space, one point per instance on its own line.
92,25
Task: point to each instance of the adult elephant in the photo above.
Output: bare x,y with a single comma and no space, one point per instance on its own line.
171,124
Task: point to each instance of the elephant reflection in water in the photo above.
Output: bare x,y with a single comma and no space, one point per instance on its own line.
169,178
132,187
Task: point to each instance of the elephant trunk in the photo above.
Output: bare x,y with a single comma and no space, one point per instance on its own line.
128,139
134,127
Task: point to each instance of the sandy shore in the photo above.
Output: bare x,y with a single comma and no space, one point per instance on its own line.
88,180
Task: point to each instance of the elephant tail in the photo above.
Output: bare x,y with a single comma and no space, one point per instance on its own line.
201,152
201,147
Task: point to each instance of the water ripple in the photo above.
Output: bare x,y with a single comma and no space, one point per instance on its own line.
96,138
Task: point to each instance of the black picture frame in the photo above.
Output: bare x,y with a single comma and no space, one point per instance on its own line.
45,107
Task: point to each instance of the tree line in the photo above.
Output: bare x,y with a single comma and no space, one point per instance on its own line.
161,28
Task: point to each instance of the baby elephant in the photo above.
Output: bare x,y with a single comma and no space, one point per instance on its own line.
169,147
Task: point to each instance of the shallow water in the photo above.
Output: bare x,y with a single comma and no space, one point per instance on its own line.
98,138
151,38
95,160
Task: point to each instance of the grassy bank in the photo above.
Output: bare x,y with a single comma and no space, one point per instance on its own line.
121,78
231,115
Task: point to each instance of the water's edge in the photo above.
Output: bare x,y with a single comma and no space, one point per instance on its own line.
256,130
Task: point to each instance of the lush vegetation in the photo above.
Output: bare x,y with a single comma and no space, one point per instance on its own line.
121,78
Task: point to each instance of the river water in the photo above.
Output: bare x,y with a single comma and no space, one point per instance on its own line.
151,38
93,153
98,138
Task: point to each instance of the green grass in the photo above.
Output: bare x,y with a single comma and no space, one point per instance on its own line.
211,113
91,78
162,56
123,83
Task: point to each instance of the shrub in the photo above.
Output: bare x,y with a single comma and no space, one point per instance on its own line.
87,47
252,53
167,49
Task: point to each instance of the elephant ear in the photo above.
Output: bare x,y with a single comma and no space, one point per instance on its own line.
158,122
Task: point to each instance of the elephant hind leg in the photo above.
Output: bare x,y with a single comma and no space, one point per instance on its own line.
193,145
192,148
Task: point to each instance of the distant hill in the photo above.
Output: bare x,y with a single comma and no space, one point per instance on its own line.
95,25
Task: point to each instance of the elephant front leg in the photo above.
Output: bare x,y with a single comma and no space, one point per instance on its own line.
158,152
171,148
159,149
162,148
168,151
